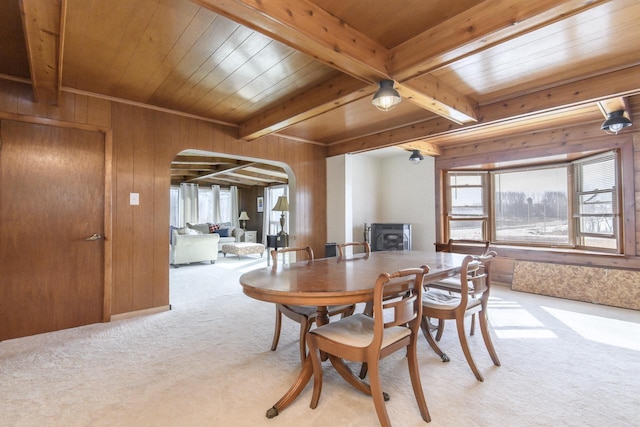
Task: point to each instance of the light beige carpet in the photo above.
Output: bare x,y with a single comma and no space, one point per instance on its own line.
207,363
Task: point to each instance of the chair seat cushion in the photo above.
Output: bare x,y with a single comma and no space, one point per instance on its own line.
442,300
357,331
450,284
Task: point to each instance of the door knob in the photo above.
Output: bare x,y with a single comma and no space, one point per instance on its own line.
94,237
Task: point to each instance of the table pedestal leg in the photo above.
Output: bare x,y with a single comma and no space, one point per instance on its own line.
305,374
303,379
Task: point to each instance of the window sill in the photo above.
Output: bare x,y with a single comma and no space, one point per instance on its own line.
567,256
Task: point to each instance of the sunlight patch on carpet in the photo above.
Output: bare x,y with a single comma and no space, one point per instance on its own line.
600,329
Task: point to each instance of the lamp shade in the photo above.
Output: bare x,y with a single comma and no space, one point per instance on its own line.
616,121
282,205
416,157
244,216
386,97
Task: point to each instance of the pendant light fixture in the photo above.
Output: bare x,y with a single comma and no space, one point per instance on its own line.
416,157
616,121
386,98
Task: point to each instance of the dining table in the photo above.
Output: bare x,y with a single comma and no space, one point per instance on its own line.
337,281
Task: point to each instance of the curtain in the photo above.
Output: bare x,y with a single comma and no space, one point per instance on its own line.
266,215
271,218
188,204
217,217
234,206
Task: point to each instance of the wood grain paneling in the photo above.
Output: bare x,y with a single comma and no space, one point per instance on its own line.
144,143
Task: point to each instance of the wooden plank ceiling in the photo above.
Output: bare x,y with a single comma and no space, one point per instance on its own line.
469,70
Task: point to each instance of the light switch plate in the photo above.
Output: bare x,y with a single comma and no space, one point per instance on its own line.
134,199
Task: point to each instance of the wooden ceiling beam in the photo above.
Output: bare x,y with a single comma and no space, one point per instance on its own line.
324,97
223,170
261,176
207,160
307,28
43,22
550,101
406,134
476,29
617,83
431,94
311,30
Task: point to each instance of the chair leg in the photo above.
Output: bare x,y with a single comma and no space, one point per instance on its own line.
314,354
473,324
424,325
465,348
363,370
305,325
414,373
376,393
440,329
484,328
276,332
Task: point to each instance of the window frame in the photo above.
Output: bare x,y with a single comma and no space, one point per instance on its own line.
483,218
575,241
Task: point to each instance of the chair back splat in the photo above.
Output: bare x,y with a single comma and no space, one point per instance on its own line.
366,248
305,251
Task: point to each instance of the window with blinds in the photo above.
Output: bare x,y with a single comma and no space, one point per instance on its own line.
596,212
467,212
571,205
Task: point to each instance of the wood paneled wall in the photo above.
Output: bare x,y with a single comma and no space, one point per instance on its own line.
142,143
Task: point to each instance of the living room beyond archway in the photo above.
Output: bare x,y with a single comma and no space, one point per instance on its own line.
214,190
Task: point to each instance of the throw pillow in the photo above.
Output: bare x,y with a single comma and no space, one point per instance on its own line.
213,228
182,230
223,232
193,231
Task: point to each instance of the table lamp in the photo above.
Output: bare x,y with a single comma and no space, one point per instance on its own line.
282,205
244,218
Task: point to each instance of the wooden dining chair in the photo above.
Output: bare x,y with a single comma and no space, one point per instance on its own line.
366,248
444,305
452,284
304,315
361,338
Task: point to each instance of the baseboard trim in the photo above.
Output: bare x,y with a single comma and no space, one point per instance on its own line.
138,313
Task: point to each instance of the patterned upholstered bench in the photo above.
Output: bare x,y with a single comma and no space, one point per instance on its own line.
243,248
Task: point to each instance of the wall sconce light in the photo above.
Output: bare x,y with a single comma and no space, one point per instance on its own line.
244,218
282,205
386,97
416,157
616,121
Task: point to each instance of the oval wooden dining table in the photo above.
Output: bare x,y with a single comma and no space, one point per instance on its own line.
335,281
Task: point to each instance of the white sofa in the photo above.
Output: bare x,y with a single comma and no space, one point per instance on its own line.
227,232
187,248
